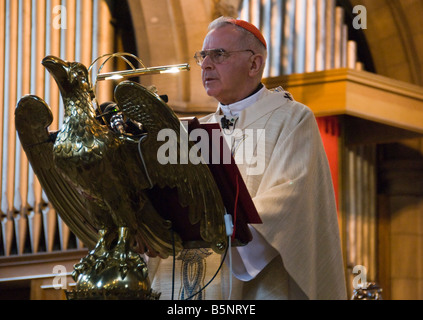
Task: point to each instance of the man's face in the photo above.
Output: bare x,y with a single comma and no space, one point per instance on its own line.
226,81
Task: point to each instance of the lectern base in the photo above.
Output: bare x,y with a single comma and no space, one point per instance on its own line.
115,274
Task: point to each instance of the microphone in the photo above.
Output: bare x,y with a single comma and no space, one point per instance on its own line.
226,123
102,115
110,115
116,118
117,123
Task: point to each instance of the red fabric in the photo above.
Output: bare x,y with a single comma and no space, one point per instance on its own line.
330,133
251,28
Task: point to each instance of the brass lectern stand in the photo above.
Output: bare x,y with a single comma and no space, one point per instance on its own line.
103,173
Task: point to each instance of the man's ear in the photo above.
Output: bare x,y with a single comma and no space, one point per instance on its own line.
257,64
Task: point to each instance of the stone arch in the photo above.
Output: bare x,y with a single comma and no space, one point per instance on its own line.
395,38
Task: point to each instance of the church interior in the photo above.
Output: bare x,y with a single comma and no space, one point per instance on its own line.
358,64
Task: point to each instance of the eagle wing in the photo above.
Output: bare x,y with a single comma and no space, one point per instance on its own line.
165,153
32,118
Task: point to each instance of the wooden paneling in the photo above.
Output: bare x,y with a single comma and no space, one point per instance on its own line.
44,275
357,93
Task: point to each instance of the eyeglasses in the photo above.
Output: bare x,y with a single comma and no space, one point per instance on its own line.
217,56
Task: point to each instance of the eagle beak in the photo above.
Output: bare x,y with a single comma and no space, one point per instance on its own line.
58,68
54,64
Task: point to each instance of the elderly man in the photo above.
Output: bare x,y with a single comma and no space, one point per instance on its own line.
295,253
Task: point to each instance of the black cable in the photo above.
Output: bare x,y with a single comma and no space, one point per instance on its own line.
173,267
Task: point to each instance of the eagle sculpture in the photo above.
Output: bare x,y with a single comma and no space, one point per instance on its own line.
106,185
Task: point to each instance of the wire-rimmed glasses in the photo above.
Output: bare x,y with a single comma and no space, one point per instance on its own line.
217,56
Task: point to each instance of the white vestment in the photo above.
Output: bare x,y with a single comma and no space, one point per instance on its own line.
296,252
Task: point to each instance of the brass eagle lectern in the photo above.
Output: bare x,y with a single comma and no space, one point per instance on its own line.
105,184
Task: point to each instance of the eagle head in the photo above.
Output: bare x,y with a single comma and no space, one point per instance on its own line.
69,76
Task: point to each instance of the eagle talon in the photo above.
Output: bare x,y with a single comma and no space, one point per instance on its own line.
102,247
123,271
84,266
99,266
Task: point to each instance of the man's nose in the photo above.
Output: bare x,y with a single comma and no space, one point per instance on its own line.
207,63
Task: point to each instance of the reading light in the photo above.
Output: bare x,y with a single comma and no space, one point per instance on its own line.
143,71
114,77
